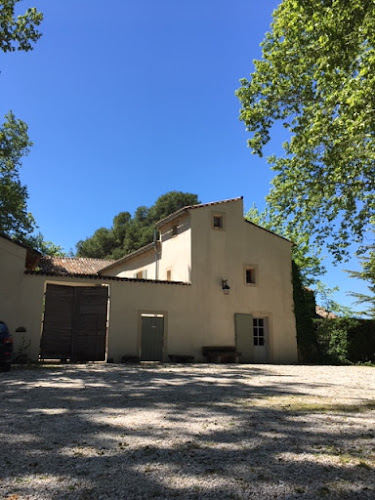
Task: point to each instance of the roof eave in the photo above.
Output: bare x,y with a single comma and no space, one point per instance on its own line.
127,257
170,217
269,231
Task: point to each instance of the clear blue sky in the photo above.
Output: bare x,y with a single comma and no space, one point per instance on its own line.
126,100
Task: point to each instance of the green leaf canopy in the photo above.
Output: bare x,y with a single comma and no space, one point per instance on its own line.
317,78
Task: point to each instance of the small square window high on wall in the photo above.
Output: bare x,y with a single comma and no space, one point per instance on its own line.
250,278
218,222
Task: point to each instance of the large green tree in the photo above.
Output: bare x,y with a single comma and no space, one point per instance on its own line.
308,261
317,79
16,33
14,144
130,233
367,274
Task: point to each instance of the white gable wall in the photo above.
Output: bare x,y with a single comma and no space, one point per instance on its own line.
174,255
176,250
12,266
129,268
222,255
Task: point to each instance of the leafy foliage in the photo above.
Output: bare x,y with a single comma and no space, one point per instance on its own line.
304,311
305,255
325,298
14,144
18,33
128,234
361,341
317,79
38,242
367,274
332,338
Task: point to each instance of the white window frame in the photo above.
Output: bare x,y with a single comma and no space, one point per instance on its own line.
259,332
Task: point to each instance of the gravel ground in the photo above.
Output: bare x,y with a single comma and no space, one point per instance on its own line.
187,431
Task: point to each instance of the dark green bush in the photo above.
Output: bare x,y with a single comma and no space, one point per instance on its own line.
332,338
304,311
361,342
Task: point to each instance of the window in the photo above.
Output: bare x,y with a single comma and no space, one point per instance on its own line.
141,274
174,230
250,275
169,274
258,331
218,221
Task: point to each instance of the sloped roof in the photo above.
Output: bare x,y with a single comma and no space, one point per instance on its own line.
192,207
269,231
32,256
172,216
20,244
72,265
320,312
78,276
160,223
131,255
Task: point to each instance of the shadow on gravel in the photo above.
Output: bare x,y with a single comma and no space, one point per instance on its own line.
88,429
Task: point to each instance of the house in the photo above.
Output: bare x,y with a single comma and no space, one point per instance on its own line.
211,279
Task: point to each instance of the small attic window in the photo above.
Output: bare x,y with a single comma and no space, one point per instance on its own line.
141,275
218,221
250,274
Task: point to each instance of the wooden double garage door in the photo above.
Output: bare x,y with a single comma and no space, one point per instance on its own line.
75,323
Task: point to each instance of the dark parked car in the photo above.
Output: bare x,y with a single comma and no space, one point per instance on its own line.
6,347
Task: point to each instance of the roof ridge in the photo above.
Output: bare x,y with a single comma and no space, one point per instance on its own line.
268,230
76,258
131,254
191,207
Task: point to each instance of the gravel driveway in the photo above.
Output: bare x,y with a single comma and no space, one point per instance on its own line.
190,432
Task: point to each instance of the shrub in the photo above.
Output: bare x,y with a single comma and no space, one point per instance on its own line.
332,339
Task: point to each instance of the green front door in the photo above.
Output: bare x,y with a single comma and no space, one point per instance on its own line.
244,336
152,340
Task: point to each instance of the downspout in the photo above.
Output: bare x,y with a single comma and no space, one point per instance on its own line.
155,245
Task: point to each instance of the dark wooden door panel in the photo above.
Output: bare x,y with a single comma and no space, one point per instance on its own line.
75,323
57,325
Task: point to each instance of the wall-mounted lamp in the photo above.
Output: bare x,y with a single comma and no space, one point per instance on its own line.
225,287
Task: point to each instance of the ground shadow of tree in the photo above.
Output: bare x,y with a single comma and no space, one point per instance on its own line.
106,433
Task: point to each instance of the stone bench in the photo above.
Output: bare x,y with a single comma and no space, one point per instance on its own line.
221,354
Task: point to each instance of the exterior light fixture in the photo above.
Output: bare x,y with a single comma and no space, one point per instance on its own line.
225,287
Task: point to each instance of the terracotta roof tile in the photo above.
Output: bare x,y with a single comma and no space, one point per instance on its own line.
72,265
78,276
320,312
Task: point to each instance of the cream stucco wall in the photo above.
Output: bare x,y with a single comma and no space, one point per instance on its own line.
196,314
15,301
222,254
174,255
144,262
128,300
176,250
